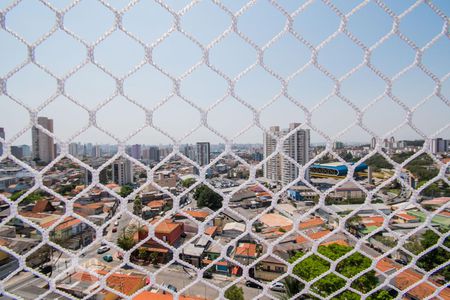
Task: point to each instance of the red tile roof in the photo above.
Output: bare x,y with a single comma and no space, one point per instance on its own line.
145,295
246,249
409,277
67,223
42,205
314,236
313,222
211,230
406,216
166,226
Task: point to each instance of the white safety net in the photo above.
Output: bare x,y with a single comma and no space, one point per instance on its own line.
368,252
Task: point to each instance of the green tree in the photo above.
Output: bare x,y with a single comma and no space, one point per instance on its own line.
188,182
137,206
234,293
207,198
31,198
125,190
126,241
143,254
380,295
435,257
313,266
292,287
154,258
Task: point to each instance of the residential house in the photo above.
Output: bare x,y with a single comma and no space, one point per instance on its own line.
168,231
269,269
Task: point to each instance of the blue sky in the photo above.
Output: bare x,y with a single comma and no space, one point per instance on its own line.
89,19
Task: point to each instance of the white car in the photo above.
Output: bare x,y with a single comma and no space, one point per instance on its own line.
116,223
102,249
278,287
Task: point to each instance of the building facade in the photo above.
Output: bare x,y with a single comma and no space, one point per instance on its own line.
2,135
296,147
439,145
42,144
203,153
122,172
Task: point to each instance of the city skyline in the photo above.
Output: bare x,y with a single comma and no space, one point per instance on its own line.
90,86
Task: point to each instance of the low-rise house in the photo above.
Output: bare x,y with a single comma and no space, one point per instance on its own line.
88,209
402,218
81,284
269,269
42,206
38,218
168,231
406,278
233,229
246,253
72,233
193,252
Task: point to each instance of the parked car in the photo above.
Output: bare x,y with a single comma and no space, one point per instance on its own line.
208,275
45,269
170,288
116,223
401,261
114,229
253,284
278,287
102,249
108,258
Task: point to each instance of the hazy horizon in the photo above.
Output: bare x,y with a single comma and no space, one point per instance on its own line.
148,87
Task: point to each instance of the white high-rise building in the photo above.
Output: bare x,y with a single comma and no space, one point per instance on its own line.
122,172
42,144
272,168
203,153
296,146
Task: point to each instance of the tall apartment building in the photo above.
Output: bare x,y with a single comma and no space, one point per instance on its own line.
122,172
17,151
153,154
296,146
73,149
439,145
96,151
272,168
26,151
136,151
203,153
2,135
373,143
189,152
42,145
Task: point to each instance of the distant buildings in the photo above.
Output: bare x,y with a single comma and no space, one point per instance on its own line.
203,153
122,172
2,135
136,151
153,154
42,144
189,152
373,143
338,145
439,145
296,146
17,151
